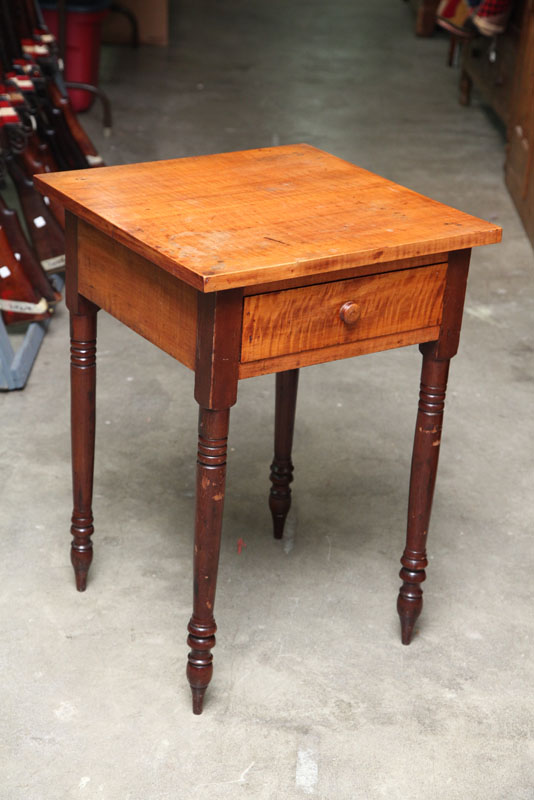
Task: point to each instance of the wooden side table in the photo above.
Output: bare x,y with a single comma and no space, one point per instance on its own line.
255,262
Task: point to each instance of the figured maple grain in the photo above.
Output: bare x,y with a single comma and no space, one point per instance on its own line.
246,218
266,366
344,274
147,299
296,320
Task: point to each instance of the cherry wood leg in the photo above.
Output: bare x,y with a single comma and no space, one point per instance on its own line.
83,385
282,466
422,481
211,478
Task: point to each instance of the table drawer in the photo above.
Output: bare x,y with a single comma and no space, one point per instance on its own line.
341,312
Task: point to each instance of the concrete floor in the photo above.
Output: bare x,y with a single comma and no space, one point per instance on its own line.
313,694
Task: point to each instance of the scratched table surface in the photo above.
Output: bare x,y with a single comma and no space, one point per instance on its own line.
250,217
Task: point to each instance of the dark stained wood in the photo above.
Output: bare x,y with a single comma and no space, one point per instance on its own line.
217,355
211,478
45,232
80,137
466,86
282,466
436,360
44,153
453,304
83,407
32,165
217,359
422,481
19,244
425,21
237,219
71,262
20,301
83,388
519,168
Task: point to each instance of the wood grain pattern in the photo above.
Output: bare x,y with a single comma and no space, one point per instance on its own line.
321,355
344,274
296,320
143,297
240,219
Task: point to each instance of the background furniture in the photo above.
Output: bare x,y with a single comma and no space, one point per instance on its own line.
519,167
425,20
16,365
502,70
151,23
490,64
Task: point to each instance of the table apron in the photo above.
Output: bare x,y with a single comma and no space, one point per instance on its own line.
281,330
155,304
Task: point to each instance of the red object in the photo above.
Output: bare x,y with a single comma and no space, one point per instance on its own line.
491,8
83,50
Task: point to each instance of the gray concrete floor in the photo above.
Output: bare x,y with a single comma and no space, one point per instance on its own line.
313,694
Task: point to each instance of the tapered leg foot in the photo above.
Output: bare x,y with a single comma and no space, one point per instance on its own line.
280,494
282,466
201,639
83,387
279,523
81,557
198,699
422,481
410,602
211,479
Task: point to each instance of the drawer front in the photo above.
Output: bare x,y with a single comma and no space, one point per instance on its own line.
315,317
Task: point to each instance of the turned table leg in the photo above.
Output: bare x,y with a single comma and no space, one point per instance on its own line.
211,478
422,480
282,466
83,384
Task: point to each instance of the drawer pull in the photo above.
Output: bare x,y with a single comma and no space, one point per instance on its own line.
350,313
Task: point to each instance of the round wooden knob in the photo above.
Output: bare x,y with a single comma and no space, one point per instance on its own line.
350,313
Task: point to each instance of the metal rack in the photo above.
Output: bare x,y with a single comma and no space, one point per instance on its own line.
15,367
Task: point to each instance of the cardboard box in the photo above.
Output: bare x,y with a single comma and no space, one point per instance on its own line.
152,19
